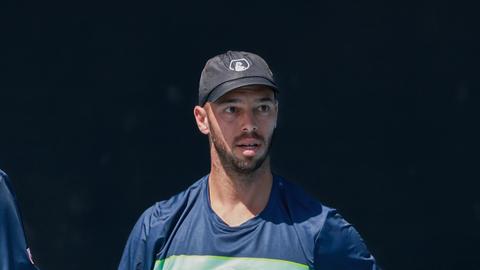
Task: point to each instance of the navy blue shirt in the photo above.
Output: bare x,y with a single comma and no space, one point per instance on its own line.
293,232
14,254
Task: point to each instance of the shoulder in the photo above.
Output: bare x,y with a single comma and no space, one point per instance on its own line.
3,177
329,240
306,214
302,207
5,183
162,213
339,246
152,228
6,191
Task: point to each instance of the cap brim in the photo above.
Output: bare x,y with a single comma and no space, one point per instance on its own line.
226,87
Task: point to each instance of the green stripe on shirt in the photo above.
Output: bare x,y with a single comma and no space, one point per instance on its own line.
196,262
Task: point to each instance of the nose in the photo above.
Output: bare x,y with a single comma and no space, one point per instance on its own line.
249,123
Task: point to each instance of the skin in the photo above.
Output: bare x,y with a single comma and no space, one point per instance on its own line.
240,126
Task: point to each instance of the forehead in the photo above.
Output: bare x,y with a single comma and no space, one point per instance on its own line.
249,91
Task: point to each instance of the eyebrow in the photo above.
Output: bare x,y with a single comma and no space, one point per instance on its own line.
227,100
266,99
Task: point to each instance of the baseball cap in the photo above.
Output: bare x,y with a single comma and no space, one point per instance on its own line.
231,70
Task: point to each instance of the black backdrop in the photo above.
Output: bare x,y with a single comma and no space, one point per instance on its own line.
378,118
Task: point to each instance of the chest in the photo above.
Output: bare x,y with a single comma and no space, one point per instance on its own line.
199,241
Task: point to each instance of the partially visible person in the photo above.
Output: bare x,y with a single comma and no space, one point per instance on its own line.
14,251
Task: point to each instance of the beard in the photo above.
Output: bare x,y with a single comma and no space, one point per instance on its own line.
239,165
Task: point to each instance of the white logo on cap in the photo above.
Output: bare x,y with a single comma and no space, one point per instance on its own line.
239,64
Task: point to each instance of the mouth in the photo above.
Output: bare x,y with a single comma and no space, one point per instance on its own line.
250,149
249,146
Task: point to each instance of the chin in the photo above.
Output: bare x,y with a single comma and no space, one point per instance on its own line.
249,165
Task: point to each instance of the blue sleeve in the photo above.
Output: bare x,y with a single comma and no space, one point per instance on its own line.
150,232
13,246
146,239
136,255
339,246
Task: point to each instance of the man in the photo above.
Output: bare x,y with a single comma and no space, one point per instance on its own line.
14,253
240,215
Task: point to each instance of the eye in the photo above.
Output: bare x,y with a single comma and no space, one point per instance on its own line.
264,108
230,109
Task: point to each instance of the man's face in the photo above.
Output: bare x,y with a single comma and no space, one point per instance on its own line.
241,125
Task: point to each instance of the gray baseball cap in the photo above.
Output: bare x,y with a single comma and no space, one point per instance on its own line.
231,70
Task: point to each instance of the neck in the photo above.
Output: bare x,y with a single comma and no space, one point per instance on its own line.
238,197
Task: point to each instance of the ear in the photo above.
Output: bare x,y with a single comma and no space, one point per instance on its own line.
201,119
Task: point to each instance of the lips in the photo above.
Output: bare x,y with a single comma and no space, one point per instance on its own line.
249,143
249,148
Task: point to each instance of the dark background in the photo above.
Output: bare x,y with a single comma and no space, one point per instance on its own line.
379,117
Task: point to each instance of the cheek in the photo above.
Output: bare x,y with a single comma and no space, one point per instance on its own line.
268,126
223,132
229,136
